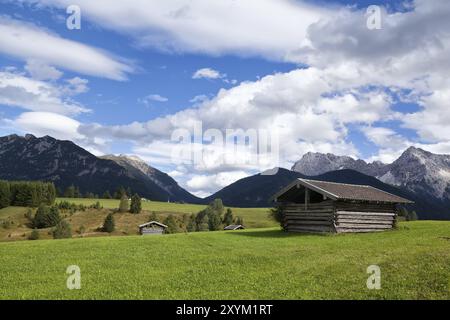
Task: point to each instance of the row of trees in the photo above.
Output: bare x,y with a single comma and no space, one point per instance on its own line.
26,194
213,218
74,192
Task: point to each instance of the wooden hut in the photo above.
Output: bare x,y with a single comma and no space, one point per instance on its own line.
152,228
319,206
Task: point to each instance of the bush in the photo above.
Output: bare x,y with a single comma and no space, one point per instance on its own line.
109,225
34,235
171,223
412,216
62,230
123,206
277,214
135,206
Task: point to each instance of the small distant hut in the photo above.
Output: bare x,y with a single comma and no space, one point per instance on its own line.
152,228
234,227
319,206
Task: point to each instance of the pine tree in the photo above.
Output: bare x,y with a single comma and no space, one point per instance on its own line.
203,224
214,220
70,192
120,193
135,206
51,194
191,226
53,217
62,230
106,195
109,224
412,216
153,217
123,206
40,219
171,223
5,194
228,218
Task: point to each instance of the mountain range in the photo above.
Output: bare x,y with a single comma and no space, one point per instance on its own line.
418,171
66,164
418,175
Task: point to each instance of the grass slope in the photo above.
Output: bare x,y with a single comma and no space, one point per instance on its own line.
126,223
253,217
250,264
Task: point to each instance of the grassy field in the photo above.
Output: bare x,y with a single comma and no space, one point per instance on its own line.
126,224
249,264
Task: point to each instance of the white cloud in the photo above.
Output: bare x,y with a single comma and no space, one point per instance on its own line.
270,28
76,86
59,127
47,123
208,73
147,100
204,185
31,43
16,90
156,97
41,71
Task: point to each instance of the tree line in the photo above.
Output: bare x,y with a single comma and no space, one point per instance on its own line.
26,193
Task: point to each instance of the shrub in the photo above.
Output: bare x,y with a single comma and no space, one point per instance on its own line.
171,223
277,214
34,235
62,230
108,224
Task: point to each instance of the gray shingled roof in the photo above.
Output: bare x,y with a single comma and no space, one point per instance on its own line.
342,191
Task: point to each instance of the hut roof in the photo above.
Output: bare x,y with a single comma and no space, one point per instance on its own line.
343,191
151,223
234,227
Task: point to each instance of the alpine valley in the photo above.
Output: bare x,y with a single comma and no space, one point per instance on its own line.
418,175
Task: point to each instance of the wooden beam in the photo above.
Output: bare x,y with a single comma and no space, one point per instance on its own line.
306,198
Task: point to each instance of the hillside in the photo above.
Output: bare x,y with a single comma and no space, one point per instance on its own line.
126,224
154,179
250,264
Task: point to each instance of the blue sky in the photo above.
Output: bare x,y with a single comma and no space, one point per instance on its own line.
143,76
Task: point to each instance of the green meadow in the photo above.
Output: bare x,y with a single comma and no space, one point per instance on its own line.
250,264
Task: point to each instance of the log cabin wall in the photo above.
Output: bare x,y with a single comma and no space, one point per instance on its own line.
363,216
314,218
338,217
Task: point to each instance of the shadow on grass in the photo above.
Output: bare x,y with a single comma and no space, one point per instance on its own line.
273,234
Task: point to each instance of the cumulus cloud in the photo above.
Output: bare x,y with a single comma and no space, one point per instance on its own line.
42,71
208,73
17,90
44,49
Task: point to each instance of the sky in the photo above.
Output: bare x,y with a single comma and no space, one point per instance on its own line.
211,92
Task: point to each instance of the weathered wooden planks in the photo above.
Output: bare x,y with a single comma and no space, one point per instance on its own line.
340,217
